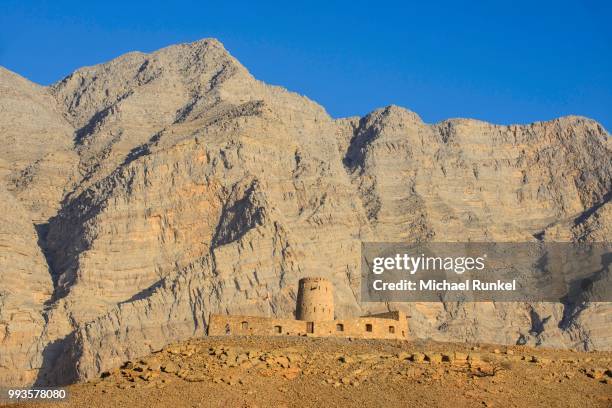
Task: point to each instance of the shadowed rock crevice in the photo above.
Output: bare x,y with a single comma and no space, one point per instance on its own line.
59,359
41,231
584,216
239,215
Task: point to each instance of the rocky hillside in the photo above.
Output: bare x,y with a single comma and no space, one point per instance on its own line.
287,372
142,194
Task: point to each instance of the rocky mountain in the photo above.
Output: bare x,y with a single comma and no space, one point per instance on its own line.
142,194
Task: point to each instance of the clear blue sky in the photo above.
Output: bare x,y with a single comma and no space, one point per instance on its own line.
500,61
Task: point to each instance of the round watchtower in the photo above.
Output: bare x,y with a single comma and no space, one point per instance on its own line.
315,300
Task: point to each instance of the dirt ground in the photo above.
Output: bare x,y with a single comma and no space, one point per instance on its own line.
306,372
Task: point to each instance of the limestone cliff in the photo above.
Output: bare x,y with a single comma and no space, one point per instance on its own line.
152,190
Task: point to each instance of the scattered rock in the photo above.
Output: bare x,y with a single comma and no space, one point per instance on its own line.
540,360
434,358
447,357
418,357
596,373
459,356
154,365
149,375
128,365
404,355
169,367
345,359
292,373
474,357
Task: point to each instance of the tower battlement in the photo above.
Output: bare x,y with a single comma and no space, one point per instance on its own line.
315,300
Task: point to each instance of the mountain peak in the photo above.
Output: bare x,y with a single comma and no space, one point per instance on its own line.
177,72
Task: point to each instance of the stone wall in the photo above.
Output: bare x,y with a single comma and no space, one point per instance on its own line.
392,325
221,325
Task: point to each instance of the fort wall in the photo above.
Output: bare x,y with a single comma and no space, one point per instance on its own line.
314,317
368,327
222,325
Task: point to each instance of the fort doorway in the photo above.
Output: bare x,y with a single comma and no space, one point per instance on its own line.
309,327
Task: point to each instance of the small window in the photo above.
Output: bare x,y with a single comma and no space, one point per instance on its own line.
339,327
403,333
368,327
391,329
310,327
244,325
278,329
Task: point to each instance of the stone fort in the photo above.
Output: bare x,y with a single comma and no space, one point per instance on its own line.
314,317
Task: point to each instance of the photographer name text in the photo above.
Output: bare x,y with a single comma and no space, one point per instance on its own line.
443,285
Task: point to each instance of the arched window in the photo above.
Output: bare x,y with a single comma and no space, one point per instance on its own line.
244,325
339,327
278,329
391,329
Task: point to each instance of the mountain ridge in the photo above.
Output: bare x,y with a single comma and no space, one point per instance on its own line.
215,42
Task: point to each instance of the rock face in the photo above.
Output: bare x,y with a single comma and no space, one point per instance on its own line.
26,285
143,194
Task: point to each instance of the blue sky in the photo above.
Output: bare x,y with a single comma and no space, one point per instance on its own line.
500,61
